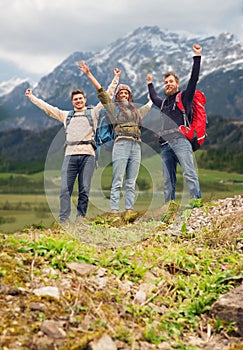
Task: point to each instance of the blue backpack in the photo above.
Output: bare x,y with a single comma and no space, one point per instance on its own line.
104,134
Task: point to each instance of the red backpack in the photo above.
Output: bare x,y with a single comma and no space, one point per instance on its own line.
196,130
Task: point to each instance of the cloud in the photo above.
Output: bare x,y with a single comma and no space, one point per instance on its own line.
37,35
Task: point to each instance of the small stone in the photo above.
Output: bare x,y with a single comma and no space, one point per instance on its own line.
52,329
125,287
103,343
37,306
81,268
140,297
49,271
47,291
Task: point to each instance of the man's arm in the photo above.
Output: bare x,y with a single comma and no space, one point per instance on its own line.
50,110
157,101
191,86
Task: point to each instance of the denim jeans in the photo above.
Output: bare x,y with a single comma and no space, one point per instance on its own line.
126,158
76,165
179,151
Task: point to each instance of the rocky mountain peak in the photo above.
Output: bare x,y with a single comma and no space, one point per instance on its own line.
145,50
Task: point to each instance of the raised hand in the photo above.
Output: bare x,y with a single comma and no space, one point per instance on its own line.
117,72
28,92
83,67
197,49
149,78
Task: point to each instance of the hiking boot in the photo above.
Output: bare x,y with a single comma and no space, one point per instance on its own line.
66,224
81,221
113,216
130,215
114,212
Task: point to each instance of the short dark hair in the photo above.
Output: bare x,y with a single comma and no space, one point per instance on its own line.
76,92
174,75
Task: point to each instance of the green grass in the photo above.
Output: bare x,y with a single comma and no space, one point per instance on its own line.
218,184
21,183
20,210
188,277
36,176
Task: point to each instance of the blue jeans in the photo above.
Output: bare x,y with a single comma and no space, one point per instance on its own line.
179,151
76,165
126,158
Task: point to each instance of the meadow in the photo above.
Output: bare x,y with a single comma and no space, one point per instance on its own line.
34,199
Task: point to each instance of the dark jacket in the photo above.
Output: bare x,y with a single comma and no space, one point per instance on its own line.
171,116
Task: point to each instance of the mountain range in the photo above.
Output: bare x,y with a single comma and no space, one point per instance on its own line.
26,132
145,50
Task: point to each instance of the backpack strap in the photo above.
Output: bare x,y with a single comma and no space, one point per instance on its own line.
135,136
179,104
88,114
162,104
68,119
178,100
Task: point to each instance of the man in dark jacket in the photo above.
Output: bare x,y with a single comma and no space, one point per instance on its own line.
176,148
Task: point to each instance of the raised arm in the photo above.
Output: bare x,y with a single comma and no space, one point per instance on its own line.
157,101
50,110
192,83
112,87
146,108
103,95
85,69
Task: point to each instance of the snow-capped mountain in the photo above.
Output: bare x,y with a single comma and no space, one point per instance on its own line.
146,50
7,86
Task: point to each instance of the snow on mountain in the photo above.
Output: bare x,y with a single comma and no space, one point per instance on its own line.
7,86
145,50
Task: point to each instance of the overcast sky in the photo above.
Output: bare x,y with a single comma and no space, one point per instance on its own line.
37,35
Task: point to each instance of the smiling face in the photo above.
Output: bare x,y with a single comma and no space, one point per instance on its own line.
123,95
78,100
171,84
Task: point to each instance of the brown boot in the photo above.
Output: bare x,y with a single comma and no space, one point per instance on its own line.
130,215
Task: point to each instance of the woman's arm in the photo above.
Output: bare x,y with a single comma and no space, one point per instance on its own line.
103,96
146,108
85,69
112,87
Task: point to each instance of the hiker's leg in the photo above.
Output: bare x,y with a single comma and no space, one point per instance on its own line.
169,163
119,163
132,171
183,149
86,166
69,173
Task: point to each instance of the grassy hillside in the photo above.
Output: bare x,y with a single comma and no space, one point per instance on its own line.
142,285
